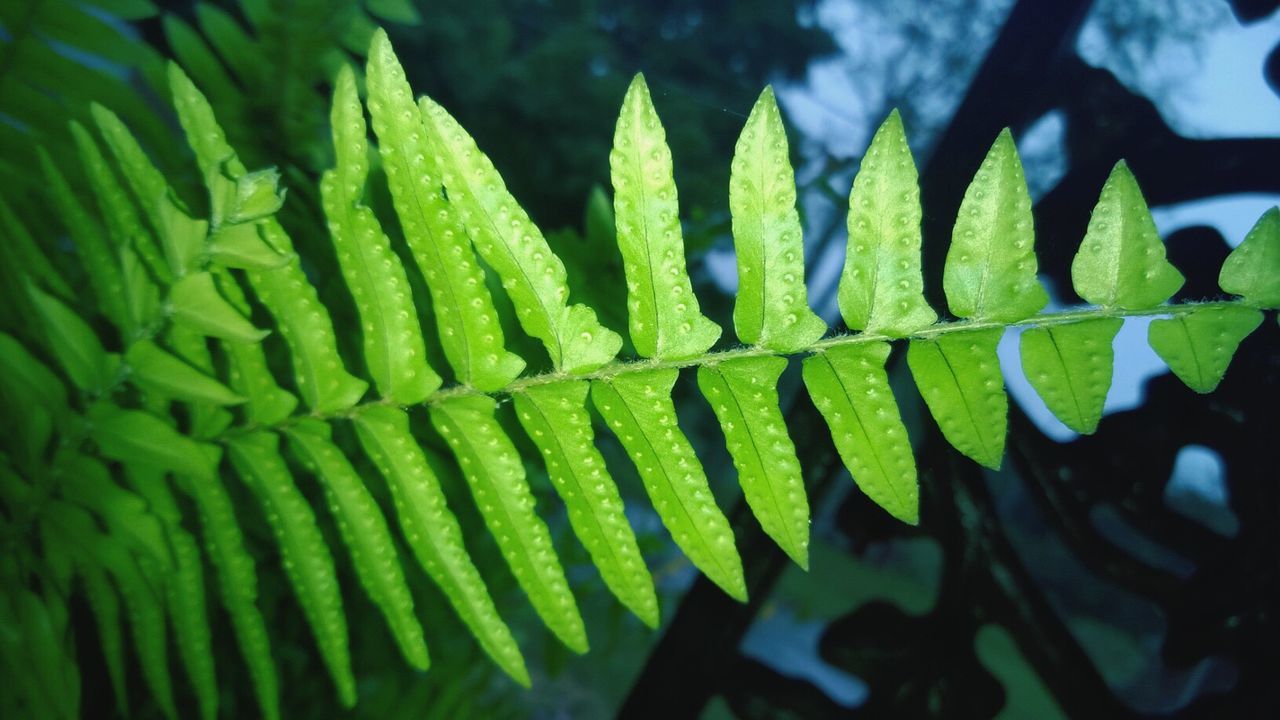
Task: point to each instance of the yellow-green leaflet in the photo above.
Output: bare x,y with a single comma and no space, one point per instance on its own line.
772,306
433,532
1070,367
139,437
181,235
105,606
307,561
207,419
146,182
238,582
114,205
959,377
304,321
533,276
196,303
1199,346
241,245
155,370
74,343
1121,261
142,297
664,318
470,333
637,407
496,477
364,530
1252,270
881,289
393,346
555,417
249,375
849,386
743,392
96,255
990,272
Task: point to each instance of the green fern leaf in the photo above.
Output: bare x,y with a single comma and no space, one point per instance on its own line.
147,184
242,246
238,582
116,209
304,322
664,319
307,561
198,59
142,438
186,602
87,482
433,532
881,289
470,333
27,383
534,277
96,255
990,272
637,407
105,606
1121,262
772,308
145,610
959,377
1069,366
743,394
1252,270
555,417
196,304
249,375
364,530
849,386
245,57
74,344
21,251
393,344
496,477
182,236
155,370
1198,346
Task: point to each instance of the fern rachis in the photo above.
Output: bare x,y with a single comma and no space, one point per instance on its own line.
162,408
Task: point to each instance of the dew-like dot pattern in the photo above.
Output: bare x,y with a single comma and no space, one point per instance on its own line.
849,386
638,408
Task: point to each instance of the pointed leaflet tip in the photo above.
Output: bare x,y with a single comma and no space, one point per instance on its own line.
771,309
664,319
881,288
509,241
990,272
1121,262
1252,270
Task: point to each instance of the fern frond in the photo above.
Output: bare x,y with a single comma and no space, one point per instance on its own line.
648,221
165,366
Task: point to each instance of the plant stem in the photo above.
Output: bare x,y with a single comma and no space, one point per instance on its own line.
623,367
